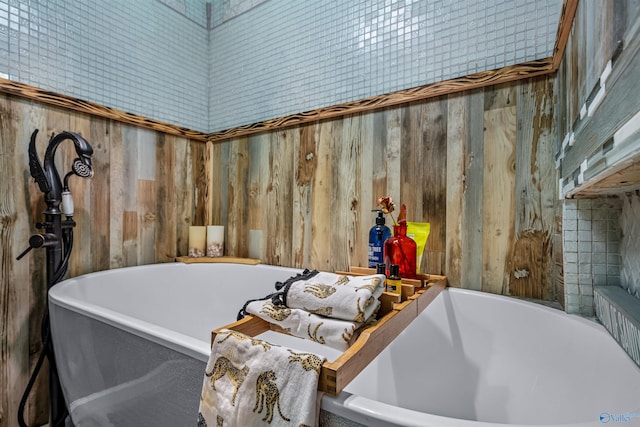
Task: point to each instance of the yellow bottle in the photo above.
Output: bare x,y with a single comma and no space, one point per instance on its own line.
394,283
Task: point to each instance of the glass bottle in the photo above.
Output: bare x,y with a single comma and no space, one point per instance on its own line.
401,249
394,284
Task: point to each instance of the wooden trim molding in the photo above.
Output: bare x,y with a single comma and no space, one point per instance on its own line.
565,23
473,81
65,101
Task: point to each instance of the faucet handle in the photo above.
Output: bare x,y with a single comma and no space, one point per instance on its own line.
39,241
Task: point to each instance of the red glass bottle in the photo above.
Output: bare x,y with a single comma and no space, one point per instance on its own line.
401,249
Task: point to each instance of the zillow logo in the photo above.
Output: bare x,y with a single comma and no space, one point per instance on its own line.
626,417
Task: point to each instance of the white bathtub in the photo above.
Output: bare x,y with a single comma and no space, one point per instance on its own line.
131,347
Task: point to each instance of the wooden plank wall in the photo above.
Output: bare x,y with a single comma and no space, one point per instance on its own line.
135,210
478,166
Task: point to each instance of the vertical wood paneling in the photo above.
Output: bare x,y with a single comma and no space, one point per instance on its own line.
130,164
344,206
217,191
531,262
472,198
414,128
98,222
146,221
433,179
13,344
166,219
210,197
299,199
183,189
457,122
237,232
116,195
199,179
30,116
322,212
280,198
497,197
366,182
257,188
379,152
306,162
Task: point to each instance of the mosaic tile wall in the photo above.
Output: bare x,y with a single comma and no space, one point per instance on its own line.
307,54
630,244
262,58
592,253
145,57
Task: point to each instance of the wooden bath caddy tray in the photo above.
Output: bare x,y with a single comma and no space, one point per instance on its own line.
396,312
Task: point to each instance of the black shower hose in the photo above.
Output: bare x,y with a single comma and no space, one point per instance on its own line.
45,334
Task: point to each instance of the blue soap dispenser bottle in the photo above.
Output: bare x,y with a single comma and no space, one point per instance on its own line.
377,235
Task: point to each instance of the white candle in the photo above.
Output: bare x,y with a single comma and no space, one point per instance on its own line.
215,240
197,240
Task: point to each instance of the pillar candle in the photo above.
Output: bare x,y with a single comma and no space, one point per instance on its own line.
197,241
215,240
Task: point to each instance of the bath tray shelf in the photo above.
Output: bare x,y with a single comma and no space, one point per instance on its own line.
373,338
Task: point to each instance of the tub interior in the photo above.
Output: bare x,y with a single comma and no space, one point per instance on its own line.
482,357
165,300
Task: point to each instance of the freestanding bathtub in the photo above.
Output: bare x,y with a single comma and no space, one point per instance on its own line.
132,344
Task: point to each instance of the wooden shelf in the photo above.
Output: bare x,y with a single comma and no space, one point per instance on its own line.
222,259
373,338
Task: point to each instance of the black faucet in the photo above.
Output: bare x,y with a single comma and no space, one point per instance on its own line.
57,238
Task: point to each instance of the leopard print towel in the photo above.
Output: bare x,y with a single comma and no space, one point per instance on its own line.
249,382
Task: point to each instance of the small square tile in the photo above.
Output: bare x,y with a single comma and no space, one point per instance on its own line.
585,279
572,308
570,235
599,269
571,247
584,225
613,259
613,280
586,300
570,278
587,311
599,258
584,204
599,247
571,268
572,289
584,214
584,258
584,236
570,257
570,204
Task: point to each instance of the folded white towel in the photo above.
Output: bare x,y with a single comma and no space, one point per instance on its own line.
249,382
350,298
335,333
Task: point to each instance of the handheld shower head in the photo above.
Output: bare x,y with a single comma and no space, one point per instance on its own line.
82,167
